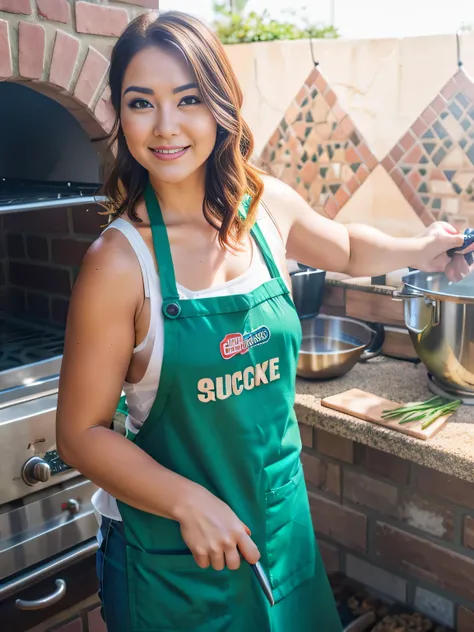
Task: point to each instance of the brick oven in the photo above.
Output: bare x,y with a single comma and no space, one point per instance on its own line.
54,111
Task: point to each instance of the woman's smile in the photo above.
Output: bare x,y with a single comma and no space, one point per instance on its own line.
169,153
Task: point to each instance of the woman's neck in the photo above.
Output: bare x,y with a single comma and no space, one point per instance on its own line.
181,202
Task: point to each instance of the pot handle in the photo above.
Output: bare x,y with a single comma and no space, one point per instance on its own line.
374,348
400,295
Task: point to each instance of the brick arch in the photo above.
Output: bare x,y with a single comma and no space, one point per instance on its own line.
62,50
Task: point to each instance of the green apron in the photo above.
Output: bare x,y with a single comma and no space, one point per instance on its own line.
223,417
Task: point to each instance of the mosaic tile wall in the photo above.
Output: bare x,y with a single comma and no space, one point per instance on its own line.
433,164
318,150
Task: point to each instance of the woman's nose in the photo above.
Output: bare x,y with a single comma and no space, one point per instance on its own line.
166,125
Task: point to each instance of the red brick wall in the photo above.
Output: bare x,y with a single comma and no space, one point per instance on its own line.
401,529
65,47
42,252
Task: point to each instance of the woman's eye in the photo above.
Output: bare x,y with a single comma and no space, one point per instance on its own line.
191,100
139,104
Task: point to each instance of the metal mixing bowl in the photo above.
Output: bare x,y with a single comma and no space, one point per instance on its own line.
332,345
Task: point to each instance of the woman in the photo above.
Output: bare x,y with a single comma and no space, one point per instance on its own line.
183,303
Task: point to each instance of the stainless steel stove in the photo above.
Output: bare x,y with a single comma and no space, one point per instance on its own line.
47,525
47,522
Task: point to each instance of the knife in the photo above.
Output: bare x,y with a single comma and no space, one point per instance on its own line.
263,581
468,240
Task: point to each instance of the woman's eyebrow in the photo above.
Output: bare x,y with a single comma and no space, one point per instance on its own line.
187,86
138,89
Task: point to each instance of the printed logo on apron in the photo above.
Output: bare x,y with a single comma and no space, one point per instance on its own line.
235,344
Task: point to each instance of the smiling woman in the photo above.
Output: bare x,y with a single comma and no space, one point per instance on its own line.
203,337
204,514
196,93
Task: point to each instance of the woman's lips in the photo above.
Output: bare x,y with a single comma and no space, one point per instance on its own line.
169,153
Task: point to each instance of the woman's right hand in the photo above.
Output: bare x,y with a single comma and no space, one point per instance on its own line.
214,534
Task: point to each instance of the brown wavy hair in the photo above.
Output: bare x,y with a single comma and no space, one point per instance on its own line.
229,176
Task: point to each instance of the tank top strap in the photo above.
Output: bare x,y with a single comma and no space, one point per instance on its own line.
140,249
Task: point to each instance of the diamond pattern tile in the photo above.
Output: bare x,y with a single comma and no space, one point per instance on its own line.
318,150
433,163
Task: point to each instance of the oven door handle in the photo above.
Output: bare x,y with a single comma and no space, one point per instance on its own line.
44,602
32,577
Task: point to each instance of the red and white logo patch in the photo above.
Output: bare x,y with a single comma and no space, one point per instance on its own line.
232,345
235,344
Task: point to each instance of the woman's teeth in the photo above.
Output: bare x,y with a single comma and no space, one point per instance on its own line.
169,151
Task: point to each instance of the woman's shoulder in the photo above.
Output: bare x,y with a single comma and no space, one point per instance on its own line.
281,201
277,192
110,261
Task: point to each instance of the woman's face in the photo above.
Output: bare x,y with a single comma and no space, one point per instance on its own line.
168,128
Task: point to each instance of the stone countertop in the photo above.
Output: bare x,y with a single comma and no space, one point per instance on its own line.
450,451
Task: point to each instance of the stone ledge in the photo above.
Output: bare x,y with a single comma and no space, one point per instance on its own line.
451,451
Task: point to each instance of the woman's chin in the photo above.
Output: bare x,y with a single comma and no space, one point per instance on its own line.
175,174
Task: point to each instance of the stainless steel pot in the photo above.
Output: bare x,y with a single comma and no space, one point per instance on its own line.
439,316
332,345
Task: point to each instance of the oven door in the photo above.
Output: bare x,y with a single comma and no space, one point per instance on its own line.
47,547
46,526
49,589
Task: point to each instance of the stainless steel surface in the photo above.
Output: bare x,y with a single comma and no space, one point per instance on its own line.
331,346
44,527
25,375
28,430
264,583
73,506
20,395
443,391
44,602
60,202
440,319
36,470
25,580
439,286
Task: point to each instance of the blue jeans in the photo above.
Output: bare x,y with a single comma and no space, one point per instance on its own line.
111,565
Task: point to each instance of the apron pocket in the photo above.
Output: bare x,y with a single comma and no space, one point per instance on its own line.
290,536
171,592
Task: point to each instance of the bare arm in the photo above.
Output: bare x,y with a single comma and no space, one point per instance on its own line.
354,249
99,343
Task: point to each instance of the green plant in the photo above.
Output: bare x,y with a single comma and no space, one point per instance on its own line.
237,6
237,28
427,411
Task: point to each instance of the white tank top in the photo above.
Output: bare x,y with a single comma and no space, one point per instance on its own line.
141,395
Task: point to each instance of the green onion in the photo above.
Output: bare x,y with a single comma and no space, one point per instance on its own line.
428,411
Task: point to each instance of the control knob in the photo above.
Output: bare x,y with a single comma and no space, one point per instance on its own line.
36,470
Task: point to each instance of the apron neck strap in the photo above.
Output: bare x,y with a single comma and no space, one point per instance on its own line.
161,245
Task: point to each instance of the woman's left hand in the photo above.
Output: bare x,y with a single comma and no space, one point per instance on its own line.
436,240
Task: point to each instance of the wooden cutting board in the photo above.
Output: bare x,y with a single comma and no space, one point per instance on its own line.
369,407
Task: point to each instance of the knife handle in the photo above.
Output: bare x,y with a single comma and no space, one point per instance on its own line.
468,240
